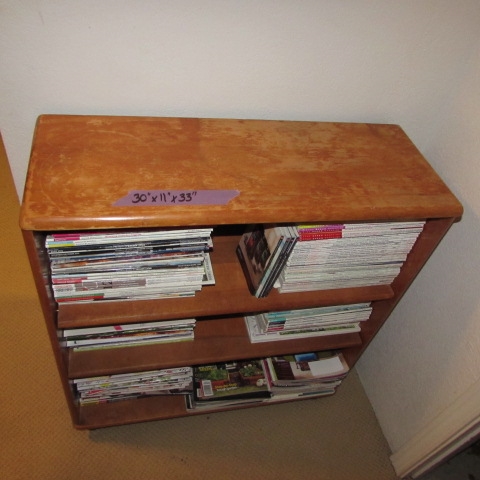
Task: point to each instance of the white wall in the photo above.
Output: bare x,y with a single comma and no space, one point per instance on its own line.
430,348
363,60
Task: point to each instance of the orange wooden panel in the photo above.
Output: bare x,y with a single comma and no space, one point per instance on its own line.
294,171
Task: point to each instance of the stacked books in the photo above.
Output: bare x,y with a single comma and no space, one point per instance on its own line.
347,255
263,251
127,335
305,374
263,380
306,323
171,381
122,265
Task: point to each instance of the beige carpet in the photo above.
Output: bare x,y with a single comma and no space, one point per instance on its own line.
331,438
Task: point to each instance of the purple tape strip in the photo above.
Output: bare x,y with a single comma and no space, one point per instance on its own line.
142,198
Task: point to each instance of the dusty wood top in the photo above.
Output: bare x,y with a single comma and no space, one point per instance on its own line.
281,171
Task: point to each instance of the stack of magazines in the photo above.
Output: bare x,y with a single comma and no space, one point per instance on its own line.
121,265
347,255
170,381
305,374
306,323
263,251
128,335
229,383
245,382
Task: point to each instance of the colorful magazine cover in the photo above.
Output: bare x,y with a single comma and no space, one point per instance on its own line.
232,380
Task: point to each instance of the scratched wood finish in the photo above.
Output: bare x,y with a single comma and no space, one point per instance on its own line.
293,171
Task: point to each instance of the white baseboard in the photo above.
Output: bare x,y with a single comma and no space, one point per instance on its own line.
451,430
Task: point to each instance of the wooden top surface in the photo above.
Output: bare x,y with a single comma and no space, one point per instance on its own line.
283,171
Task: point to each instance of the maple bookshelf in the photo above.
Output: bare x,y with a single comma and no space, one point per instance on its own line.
285,172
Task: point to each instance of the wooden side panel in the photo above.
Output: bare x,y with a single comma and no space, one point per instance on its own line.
38,262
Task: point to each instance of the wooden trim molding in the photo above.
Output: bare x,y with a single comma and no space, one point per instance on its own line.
454,428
